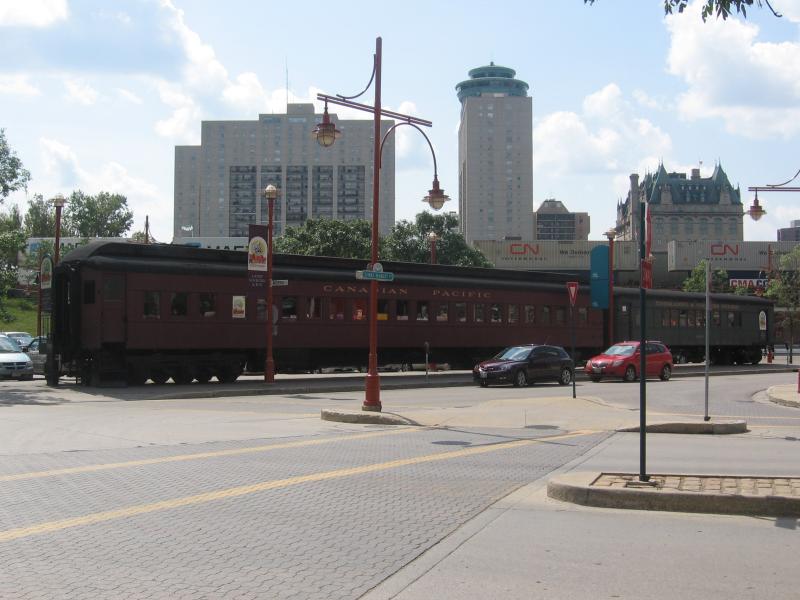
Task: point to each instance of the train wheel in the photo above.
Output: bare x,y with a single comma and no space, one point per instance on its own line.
520,379
182,376
204,375
228,373
630,374
159,377
666,373
136,376
566,377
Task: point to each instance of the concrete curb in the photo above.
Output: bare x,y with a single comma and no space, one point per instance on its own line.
577,488
364,416
775,395
707,427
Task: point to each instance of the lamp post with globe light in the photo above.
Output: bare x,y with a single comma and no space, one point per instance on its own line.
432,238
326,134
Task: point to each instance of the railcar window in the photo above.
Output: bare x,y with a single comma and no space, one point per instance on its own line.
313,308
701,318
479,313
731,319
530,314
690,318
383,310
179,304
496,313
359,310
151,305
583,315
208,304
673,317
683,318
561,315
637,321
715,318
289,308
513,313
88,292
461,312
337,309
545,315
665,317
112,289
422,310
442,312
402,310
261,309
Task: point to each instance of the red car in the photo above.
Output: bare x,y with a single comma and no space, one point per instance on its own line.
623,360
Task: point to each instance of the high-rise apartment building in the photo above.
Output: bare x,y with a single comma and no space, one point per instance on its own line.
790,234
495,155
218,184
552,221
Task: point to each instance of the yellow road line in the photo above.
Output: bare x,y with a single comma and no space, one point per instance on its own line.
198,455
131,511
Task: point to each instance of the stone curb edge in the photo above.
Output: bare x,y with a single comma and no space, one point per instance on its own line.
773,397
577,489
706,427
365,417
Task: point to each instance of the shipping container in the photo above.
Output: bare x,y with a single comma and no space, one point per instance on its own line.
548,255
729,255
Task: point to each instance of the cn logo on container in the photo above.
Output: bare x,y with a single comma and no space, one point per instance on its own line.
724,250
521,248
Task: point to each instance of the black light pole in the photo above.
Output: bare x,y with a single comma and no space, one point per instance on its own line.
642,353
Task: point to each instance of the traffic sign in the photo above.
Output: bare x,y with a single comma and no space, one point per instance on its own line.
375,275
572,288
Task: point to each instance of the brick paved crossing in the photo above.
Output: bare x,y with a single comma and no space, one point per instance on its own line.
335,538
726,485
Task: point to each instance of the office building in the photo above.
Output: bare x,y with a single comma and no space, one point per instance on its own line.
552,221
790,234
218,184
495,156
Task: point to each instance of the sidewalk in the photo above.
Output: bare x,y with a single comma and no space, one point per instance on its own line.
787,395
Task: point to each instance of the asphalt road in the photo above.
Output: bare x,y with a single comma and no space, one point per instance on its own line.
108,496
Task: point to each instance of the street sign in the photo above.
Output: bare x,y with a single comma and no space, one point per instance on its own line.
374,275
279,282
572,288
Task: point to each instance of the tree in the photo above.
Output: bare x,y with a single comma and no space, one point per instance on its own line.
40,218
13,176
325,237
12,241
103,215
723,8
784,288
696,282
409,242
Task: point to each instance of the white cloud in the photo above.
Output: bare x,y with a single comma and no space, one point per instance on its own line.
32,13
17,85
128,95
184,123
754,87
644,99
81,92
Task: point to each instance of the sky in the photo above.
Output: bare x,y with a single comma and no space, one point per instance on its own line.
94,95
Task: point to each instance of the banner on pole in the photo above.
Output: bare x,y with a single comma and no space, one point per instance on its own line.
257,257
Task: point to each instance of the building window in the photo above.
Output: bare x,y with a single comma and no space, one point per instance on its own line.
461,312
479,313
178,305
422,310
513,313
545,315
207,305
402,310
530,314
561,315
496,313
383,310
359,310
337,309
151,305
313,308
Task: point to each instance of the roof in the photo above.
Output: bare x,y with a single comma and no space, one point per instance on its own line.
694,190
491,79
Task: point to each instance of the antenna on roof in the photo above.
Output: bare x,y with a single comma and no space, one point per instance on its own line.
286,60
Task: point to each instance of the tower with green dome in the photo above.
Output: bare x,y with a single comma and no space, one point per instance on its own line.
495,155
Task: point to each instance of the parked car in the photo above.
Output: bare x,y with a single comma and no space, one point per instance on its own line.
520,365
37,358
23,338
14,363
623,360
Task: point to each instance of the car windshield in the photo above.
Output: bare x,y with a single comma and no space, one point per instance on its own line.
620,350
8,345
21,338
514,353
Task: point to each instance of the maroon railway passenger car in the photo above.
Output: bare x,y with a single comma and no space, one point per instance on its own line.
132,312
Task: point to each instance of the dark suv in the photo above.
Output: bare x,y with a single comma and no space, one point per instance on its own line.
520,365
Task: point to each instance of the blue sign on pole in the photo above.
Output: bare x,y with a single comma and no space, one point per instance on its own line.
598,264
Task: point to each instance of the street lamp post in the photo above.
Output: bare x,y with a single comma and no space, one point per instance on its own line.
432,237
326,134
611,234
270,194
58,202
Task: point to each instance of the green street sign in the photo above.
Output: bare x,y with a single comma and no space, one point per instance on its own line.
375,275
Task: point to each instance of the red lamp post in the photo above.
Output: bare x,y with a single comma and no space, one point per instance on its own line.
611,234
270,194
326,134
432,238
58,202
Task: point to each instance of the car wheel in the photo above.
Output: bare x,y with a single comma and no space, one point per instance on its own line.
520,379
595,378
566,377
630,374
666,373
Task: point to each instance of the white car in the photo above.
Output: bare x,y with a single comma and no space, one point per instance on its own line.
14,363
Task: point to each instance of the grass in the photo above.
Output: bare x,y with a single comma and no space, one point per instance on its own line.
23,312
